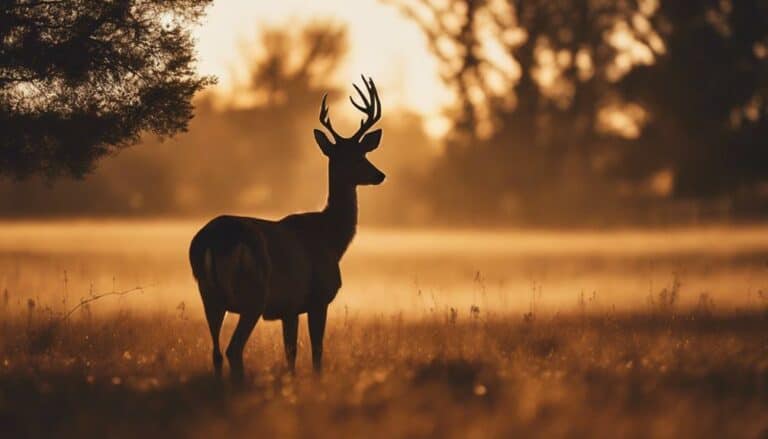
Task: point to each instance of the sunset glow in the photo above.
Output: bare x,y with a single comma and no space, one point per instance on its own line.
383,45
383,218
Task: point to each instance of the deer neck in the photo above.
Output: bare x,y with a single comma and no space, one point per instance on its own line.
341,215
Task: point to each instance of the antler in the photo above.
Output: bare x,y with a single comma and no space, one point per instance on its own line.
371,108
325,120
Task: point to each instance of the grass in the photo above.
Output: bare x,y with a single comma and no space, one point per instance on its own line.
630,375
520,335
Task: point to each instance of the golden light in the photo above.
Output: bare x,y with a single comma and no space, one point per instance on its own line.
382,44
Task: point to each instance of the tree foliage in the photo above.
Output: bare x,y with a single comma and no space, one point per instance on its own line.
297,62
707,97
566,104
247,156
80,79
257,155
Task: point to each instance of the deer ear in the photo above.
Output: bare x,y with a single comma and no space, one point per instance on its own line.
322,141
371,141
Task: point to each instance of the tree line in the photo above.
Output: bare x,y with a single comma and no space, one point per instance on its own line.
566,112
568,109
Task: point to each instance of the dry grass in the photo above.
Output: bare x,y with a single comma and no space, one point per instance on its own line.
658,335
633,375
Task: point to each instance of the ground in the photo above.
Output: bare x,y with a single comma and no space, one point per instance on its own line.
593,376
434,334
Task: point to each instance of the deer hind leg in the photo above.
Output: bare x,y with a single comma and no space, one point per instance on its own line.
214,313
237,344
246,273
317,318
290,332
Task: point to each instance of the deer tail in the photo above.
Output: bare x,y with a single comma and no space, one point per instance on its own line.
202,261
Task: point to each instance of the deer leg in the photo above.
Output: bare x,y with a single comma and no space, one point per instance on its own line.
236,345
290,329
215,316
316,332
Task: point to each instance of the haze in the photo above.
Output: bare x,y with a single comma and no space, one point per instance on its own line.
534,218
383,45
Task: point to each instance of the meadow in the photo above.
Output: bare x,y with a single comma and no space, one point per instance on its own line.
434,334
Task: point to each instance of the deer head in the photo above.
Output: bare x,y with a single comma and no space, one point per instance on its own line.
347,161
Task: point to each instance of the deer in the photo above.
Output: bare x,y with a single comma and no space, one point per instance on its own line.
277,270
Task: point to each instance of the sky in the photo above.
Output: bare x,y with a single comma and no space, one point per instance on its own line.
382,44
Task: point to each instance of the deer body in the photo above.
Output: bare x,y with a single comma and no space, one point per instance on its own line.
280,269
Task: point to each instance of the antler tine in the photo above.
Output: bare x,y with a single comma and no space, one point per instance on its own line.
377,101
325,120
365,109
372,108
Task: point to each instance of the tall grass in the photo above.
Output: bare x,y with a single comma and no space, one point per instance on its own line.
638,374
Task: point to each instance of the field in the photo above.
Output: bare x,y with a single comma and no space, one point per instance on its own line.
434,334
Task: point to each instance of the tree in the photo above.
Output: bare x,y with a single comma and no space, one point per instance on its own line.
708,98
256,153
531,80
81,79
296,65
291,69
689,81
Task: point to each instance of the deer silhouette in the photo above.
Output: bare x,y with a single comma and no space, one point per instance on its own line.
280,269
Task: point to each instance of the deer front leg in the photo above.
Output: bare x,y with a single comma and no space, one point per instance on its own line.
290,329
316,332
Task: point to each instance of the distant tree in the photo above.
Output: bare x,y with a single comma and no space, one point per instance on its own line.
688,79
81,79
255,152
291,68
707,97
531,80
288,65
264,156
521,56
